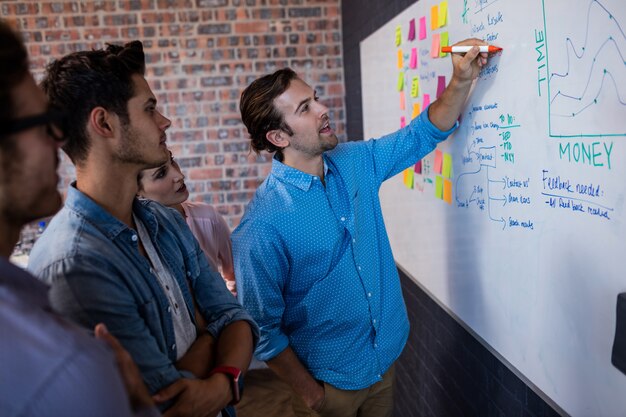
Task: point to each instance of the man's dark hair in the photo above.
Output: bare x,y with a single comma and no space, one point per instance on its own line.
81,81
258,111
13,69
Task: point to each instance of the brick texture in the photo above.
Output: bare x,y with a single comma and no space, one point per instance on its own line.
200,55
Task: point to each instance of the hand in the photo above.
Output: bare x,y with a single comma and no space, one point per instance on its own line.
196,397
467,67
136,389
315,398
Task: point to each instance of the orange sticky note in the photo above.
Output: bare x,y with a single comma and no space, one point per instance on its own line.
434,47
402,101
416,110
443,13
434,17
408,178
447,191
400,60
439,187
443,41
438,161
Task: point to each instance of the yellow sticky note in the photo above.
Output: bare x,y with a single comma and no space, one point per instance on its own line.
439,187
446,170
400,60
402,101
434,47
416,110
415,87
443,41
443,13
398,35
400,81
408,178
434,17
447,191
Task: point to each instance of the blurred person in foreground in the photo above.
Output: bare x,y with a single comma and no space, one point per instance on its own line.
49,366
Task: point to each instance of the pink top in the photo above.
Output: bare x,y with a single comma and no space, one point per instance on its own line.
213,234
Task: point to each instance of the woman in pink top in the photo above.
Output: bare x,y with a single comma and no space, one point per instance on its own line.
166,184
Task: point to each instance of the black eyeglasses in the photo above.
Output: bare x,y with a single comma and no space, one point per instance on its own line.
53,120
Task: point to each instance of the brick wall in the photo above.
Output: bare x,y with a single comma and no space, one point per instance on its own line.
200,55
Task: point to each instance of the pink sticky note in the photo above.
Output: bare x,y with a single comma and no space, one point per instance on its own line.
441,85
412,29
418,167
422,28
402,122
438,161
413,61
426,101
434,47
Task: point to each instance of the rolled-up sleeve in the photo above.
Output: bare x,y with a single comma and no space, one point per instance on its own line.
261,268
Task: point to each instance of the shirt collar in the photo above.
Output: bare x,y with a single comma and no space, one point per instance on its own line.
108,224
294,176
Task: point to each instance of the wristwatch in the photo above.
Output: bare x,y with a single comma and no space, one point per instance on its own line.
234,375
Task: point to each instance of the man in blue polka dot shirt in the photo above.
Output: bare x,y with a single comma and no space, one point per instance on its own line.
312,259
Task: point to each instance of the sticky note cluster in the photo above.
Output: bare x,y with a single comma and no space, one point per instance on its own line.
443,183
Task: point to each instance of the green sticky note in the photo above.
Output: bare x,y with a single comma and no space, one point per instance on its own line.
415,87
443,41
398,35
400,81
447,165
439,187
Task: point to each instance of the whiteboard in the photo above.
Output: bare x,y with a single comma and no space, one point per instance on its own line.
528,247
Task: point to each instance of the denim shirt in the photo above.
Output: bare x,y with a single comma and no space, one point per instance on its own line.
313,262
92,263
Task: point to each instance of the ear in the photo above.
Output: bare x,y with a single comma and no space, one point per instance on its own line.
101,122
277,138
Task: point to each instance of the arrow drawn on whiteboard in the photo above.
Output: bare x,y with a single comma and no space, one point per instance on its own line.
499,199
503,182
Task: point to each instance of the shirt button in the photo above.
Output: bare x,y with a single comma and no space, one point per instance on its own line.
174,346
375,346
374,321
133,238
169,309
151,271
188,273
369,294
353,240
358,267
343,219
380,376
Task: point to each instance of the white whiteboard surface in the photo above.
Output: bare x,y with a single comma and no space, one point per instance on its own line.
531,252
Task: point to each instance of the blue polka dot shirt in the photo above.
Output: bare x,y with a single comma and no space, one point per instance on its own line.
313,263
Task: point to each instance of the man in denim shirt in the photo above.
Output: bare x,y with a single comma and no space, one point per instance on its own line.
131,264
312,259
